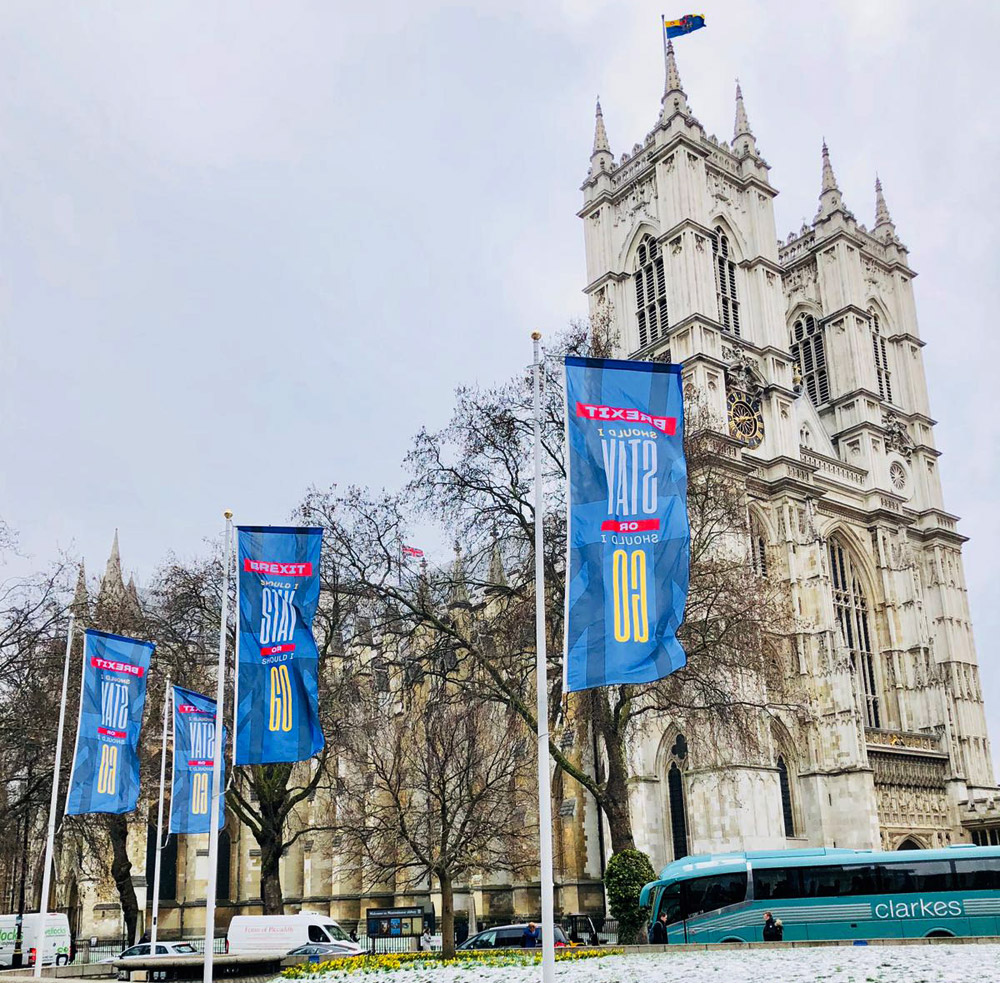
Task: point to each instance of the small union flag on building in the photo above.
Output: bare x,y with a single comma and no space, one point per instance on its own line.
412,551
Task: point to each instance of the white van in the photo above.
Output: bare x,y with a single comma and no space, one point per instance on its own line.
57,939
282,933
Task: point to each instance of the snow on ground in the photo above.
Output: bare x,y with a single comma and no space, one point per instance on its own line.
939,963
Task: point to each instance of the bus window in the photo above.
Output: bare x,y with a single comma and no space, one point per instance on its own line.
836,881
978,875
711,893
670,902
776,883
915,878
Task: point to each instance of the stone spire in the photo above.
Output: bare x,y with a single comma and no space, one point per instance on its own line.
80,607
112,590
830,199
884,228
743,138
458,595
601,158
498,577
674,97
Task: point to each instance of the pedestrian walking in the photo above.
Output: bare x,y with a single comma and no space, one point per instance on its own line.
658,935
531,936
425,940
772,929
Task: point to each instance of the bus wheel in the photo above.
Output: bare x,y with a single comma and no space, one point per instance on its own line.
940,933
732,938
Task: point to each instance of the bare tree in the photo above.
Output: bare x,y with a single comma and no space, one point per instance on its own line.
474,478
437,787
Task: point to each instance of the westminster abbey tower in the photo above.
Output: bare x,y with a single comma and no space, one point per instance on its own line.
805,351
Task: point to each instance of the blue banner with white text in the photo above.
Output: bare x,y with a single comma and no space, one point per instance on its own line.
194,749
629,540
277,708
105,772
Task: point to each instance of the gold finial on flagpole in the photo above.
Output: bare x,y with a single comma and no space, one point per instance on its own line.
536,335
228,513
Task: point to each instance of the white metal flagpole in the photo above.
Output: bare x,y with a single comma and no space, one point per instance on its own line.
541,685
50,840
213,828
159,823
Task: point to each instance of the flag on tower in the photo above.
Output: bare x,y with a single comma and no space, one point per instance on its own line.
412,551
194,747
629,539
105,772
277,689
684,25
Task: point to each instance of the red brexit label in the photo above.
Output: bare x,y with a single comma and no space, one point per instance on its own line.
113,665
277,649
278,569
200,763
629,525
108,732
665,424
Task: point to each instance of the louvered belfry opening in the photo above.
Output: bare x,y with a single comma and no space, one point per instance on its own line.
807,348
650,291
881,356
725,283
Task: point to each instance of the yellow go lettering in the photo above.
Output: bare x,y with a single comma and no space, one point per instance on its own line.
281,699
107,771
630,600
199,793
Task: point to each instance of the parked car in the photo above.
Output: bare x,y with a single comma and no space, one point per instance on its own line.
141,951
506,937
320,951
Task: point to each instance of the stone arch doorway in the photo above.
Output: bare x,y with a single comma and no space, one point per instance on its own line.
910,843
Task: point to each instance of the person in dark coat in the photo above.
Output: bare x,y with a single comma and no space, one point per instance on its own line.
772,930
658,934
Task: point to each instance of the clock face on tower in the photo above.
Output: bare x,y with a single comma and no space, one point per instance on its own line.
746,422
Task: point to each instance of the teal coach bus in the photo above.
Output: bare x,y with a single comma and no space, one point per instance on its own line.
830,894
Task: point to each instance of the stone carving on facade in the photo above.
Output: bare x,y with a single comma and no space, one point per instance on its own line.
637,203
743,372
897,437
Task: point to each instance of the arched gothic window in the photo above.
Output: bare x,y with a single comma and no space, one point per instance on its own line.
224,866
881,357
786,797
851,606
808,351
650,291
675,798
725,283
758,547
168,864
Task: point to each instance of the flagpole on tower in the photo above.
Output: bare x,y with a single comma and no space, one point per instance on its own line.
213,828
541,688
50,839
159,823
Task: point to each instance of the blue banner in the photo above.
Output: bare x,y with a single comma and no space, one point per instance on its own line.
194,745
628,534
105,772
277,696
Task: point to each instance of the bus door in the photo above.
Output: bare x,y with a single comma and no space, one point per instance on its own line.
670,902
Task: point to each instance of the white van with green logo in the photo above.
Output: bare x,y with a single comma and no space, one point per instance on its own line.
57,939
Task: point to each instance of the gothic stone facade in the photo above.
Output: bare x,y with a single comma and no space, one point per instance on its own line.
807,353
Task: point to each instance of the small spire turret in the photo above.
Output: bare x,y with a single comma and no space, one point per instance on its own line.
830,199
884,227
674,97
743,138
601,158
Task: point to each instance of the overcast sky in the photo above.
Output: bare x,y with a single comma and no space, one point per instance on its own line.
249,247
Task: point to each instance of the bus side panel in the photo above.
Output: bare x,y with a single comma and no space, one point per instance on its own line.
877,928
983,925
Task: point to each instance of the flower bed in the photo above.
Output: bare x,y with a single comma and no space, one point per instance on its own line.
393,961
